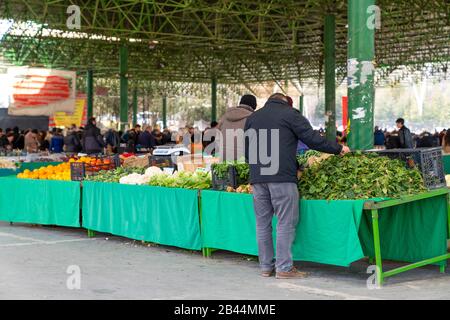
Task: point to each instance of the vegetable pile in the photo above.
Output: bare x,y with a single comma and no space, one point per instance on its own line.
221,170
182,179
245,188
310,158
59,172
114,175
302,159
138,178
359,176
154,176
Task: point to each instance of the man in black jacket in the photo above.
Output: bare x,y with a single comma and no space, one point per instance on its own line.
404,135
146,139
272,135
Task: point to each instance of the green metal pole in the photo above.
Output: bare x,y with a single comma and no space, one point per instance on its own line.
164,113
214,99
123,86
135,106
300,104
330,76
90,93
360,64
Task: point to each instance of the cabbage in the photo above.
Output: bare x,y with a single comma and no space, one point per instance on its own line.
153,171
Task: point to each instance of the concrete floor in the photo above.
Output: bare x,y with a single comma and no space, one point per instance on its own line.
34,262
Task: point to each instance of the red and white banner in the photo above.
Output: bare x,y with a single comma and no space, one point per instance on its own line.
39,92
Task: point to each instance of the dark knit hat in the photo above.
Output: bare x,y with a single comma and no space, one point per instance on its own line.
249,100
290,101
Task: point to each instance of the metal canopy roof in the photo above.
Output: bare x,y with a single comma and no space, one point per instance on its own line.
238,42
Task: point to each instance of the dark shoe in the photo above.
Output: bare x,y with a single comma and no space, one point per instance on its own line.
267,274
293,274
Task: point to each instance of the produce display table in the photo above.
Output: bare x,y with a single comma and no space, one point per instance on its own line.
35,165
165,216
337,232
327,232
40,201
413,229
446,160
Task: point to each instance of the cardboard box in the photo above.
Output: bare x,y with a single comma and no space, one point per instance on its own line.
191,162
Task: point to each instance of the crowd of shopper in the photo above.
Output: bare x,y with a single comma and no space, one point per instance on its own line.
403,138
91,140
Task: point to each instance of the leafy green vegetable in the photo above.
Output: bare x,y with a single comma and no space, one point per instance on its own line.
221,170
183,179
242,172
303,158
114,175
359,176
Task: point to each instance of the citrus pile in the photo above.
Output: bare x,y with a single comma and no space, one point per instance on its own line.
93,164
59,172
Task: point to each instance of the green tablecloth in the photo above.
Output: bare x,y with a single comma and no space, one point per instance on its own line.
35,165
332,232
160,215
327,231
8,172
446,160
40,201
410,232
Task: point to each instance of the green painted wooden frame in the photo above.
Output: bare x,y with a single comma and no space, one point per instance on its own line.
374,208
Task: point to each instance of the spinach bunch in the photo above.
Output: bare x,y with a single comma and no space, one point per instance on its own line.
302,159
359,176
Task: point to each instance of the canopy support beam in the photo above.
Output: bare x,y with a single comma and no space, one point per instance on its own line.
123,70
135,106
330,76
214,99
90,93
300,104
164,112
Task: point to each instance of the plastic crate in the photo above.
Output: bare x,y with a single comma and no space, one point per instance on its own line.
221,184
77,171
116,160
161,162
427,160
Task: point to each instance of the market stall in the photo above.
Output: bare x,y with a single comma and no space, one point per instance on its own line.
46,202
412,229
167,216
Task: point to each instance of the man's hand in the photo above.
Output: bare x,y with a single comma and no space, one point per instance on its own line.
345,150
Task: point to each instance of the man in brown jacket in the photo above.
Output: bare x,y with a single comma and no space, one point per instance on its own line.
230,138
